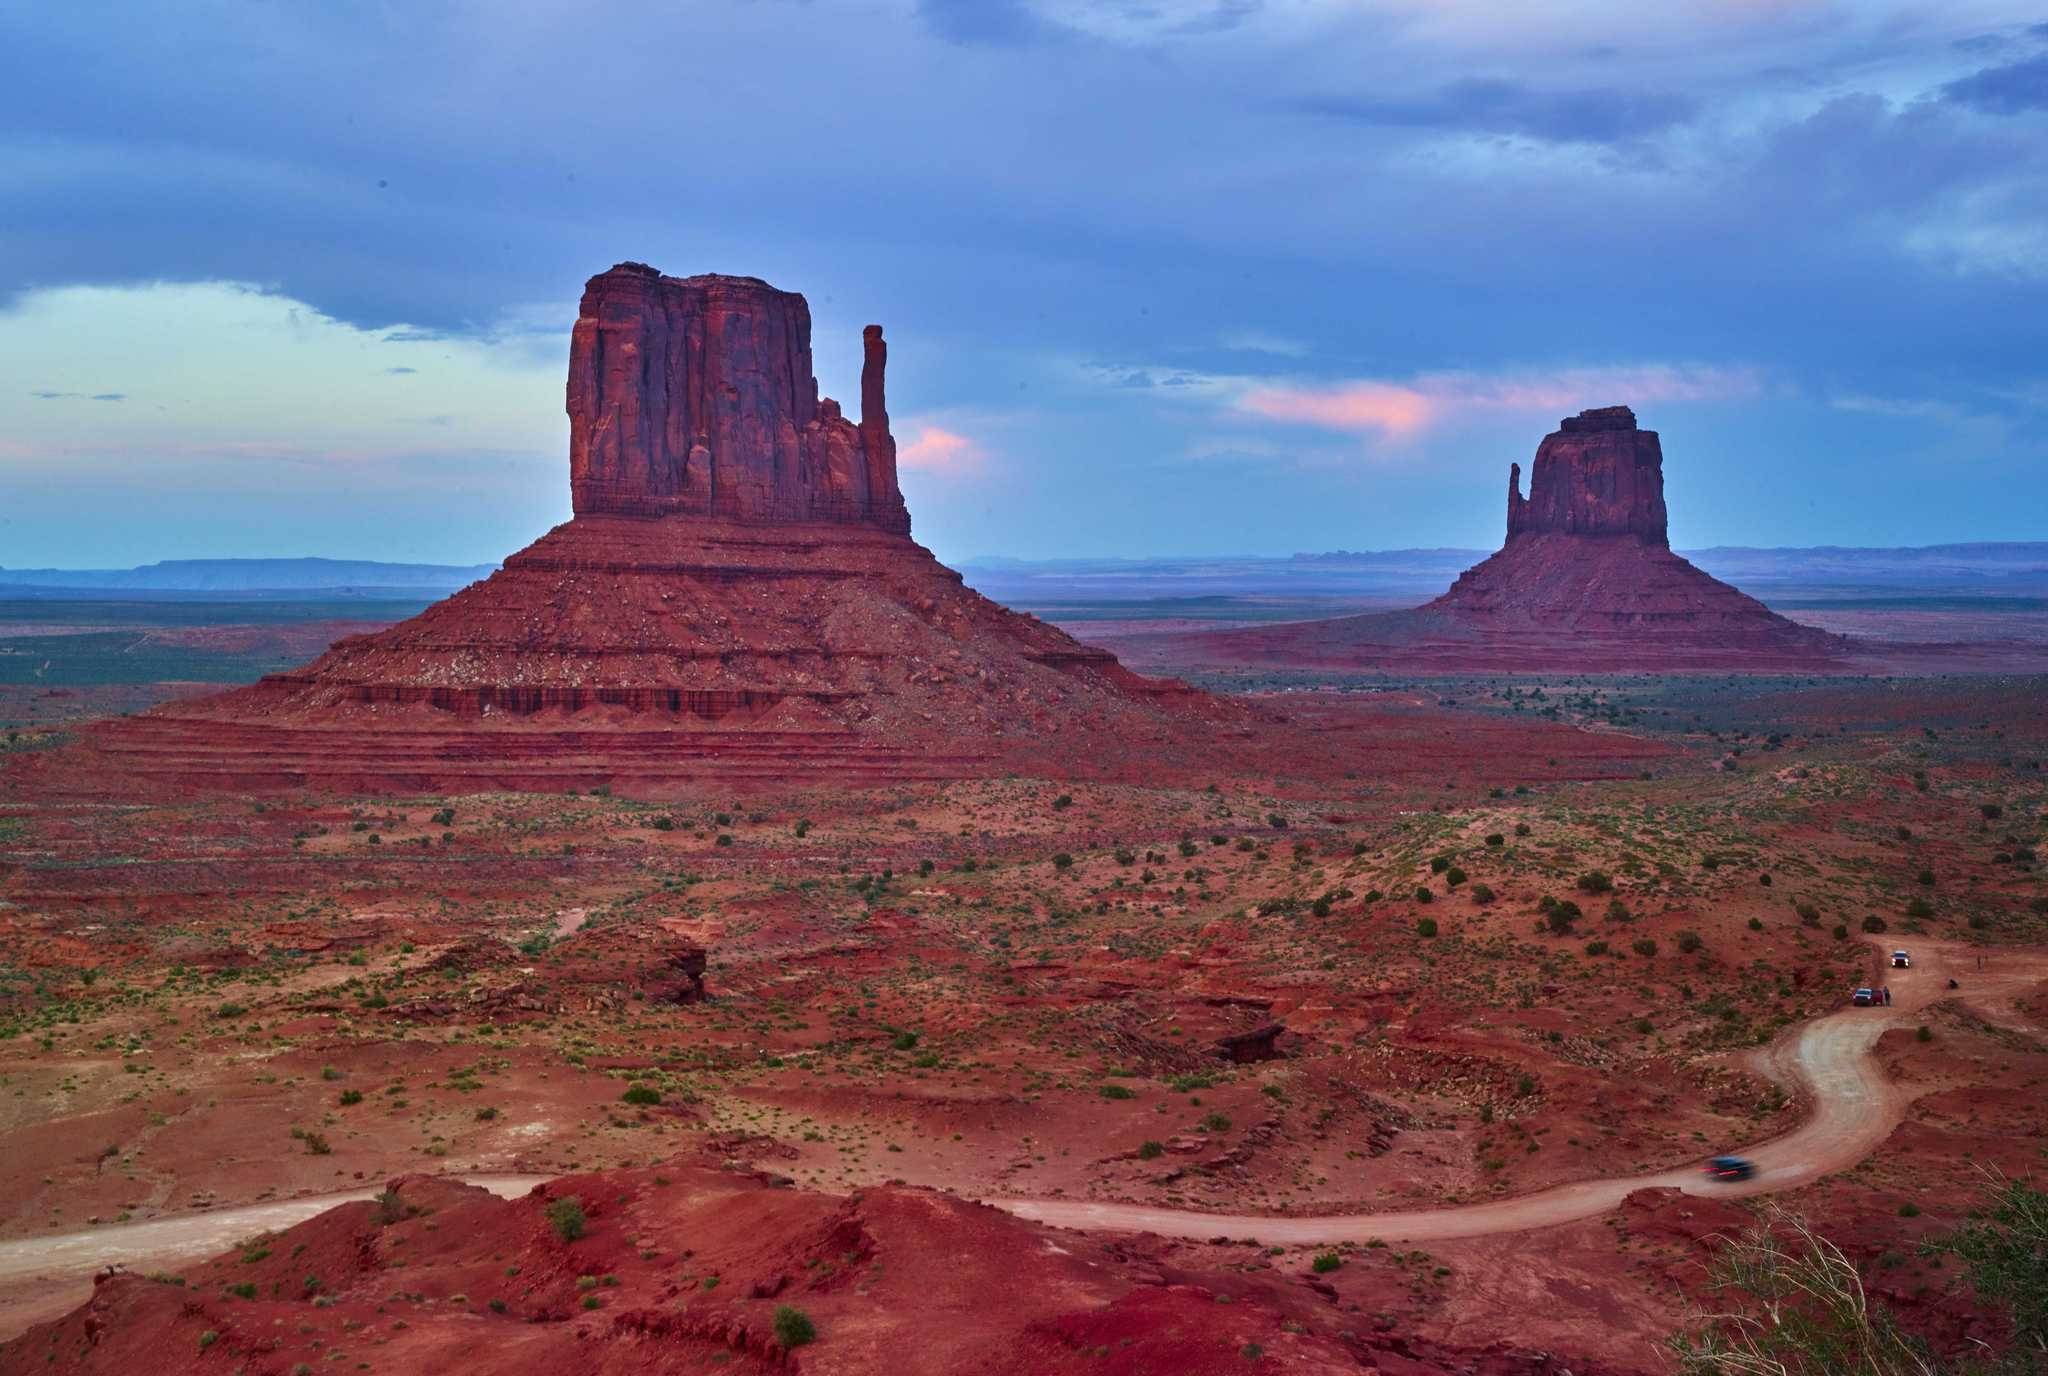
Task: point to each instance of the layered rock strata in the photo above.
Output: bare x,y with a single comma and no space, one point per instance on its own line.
695,396
1586,580
737,595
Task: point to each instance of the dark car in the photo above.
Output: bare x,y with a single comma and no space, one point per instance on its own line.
1863,998
1730,1168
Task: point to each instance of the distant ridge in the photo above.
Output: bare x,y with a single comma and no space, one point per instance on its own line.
253,576
1988,566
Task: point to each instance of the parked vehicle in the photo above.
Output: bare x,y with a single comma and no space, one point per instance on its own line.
1863,998
1900,960
1730,1168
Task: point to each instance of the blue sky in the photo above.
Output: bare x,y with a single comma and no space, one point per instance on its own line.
1245,276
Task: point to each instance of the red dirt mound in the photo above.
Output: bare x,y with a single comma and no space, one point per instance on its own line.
683,1267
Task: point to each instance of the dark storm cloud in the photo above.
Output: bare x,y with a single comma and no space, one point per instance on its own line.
2012,89
1495,106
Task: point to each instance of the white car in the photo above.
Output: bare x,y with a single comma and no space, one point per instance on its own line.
1900,960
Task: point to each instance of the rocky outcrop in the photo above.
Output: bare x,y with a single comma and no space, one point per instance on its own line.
1596,474
1586,581
737,597
695,396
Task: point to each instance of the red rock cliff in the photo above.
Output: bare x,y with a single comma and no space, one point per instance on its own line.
1596,474
695,396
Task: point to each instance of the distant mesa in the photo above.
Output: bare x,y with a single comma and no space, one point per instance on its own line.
737,596
1585,581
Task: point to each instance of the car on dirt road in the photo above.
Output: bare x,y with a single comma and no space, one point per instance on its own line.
1900,960
1863,998
1730,1168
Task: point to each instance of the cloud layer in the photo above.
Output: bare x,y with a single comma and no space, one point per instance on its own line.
1317,227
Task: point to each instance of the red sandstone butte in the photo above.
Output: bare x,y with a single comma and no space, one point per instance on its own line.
1596,474
1585,581
737,597
694,396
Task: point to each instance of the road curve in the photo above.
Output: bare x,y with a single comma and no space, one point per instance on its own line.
1852,1109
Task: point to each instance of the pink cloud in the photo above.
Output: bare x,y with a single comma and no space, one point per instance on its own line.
1383,407
937,450
1400,410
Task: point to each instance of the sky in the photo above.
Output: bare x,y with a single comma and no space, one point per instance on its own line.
1159,277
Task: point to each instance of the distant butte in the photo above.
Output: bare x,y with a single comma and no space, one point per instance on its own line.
1585,581
736,597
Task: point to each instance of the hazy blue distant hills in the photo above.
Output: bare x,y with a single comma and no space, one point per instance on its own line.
245,578
1823,573
2012,569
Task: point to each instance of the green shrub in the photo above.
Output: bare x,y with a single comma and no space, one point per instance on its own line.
1481,893
1425,927
1422,894
1063,861
1325,1263
1644,946
565,1216
1595,881
1494,838
1118,1092
1454,876
2004,1247
1688,942
1873,923
1150,1151
793,1327
641,1094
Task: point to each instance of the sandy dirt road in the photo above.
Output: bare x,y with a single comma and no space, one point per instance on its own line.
1851,1108
41,1277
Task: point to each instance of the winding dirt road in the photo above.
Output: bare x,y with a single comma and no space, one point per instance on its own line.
1852,1108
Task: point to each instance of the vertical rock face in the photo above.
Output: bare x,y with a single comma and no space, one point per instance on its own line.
695,396
1596,474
